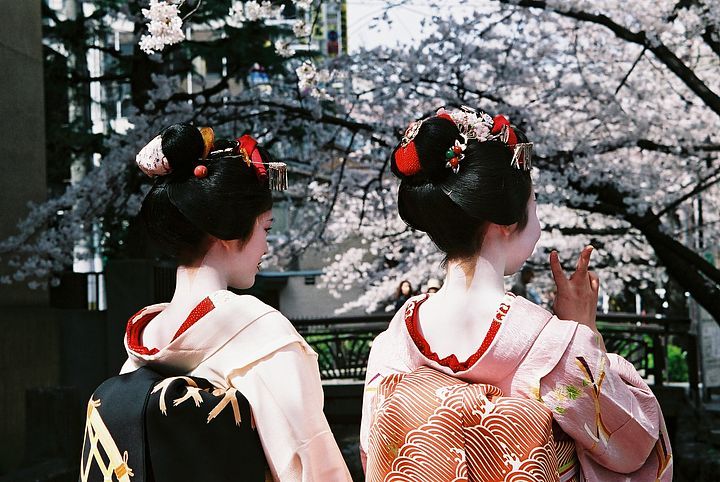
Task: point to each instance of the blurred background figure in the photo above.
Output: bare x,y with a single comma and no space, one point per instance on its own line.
403,293
549,299
433,285
521,287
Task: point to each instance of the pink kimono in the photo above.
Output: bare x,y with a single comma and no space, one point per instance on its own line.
597,399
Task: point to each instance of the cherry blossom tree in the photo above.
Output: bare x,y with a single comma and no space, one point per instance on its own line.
623,114
621,102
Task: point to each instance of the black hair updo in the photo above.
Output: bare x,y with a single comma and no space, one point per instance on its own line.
453,209
182,210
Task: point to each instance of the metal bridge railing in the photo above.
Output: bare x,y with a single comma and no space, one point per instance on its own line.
343,343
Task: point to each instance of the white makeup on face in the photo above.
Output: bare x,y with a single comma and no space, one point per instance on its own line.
246,259
523,242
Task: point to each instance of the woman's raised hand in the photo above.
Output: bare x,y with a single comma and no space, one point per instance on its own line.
576,297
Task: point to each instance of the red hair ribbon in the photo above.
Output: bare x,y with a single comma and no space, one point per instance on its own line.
250,153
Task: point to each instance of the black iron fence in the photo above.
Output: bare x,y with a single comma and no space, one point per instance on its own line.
343,344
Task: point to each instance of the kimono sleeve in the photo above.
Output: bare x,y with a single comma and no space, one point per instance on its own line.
601,401
382,362
372,380
286,397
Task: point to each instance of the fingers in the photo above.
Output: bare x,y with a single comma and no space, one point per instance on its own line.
594,282
557,271
584,261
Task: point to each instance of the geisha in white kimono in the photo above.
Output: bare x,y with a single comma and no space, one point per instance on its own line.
472,383
238,342
212,362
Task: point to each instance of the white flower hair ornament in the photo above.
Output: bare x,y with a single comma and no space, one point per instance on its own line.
480,126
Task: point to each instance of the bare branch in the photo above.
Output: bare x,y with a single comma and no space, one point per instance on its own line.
637,60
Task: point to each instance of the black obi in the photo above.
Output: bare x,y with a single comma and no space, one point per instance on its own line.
145,427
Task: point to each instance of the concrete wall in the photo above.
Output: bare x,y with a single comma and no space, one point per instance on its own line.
22,123
300,300
29,358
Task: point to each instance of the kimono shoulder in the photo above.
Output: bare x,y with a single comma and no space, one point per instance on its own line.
260,331
238,330
546,338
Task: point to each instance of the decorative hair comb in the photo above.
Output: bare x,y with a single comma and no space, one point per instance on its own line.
153,162
246,149
473,125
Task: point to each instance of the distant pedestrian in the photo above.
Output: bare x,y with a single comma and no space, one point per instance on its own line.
521,288
433,285
403,293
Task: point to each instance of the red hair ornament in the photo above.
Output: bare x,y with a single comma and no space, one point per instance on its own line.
274,172
502,129
247,147
406,157
200,171
522,151
407,161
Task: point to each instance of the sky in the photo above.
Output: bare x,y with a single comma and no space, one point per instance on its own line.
404,18
404,22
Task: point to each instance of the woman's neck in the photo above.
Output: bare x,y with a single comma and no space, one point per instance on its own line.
455,320
477,281
478,277
193,283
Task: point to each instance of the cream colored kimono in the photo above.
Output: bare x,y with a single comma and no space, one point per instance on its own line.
239,342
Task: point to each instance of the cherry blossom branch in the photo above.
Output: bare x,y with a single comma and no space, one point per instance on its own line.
632,67
709,36
651,42
191,12
611,198
704,185
576,231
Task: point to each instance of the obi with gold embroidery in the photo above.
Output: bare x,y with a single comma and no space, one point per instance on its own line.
145,427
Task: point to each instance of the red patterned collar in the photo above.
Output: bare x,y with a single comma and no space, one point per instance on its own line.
137,323
412,323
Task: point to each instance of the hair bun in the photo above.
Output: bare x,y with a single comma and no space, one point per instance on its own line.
183,145
430,143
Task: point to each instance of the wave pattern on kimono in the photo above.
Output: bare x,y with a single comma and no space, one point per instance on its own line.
602,410
431,427
143,427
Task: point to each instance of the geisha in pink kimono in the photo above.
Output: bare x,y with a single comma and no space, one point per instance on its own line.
476,384
216,386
